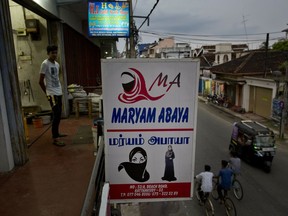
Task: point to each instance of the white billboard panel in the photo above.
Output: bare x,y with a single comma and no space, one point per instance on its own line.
150,109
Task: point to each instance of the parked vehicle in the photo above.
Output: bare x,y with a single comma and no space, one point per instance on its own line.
253,142
227,102
212,98
219,100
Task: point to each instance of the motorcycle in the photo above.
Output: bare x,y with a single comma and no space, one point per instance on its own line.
212,98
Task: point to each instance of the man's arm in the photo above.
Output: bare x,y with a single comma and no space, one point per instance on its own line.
41,82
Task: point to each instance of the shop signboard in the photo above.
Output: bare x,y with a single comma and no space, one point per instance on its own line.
108,18
150,109
277,108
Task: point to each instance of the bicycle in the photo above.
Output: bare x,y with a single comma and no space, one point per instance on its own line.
236,185
204,199
237,188
228,203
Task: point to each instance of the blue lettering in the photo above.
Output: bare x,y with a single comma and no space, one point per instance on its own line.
143,116
161,116
168,140
124,116
113,141
116,115
185,116
137,111
133,115
122,141
168,114
151,115
177,115
174,117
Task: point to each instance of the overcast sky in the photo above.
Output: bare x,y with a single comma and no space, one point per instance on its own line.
199,22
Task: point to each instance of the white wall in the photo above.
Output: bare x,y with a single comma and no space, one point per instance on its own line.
34,49
67,16
259,82
221,50
223,47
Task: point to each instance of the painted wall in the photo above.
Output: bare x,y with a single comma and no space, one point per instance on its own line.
259,82
163,43
29,56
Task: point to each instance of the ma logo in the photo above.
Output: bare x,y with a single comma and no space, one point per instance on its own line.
135,89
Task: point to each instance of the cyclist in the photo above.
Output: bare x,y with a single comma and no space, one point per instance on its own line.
205,178
224,179
235,164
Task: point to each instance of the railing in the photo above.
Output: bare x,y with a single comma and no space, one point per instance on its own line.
92,200
105,207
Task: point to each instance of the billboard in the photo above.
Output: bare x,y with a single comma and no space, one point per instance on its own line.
150,109
111,19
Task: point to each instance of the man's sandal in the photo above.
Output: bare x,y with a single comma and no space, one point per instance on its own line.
58,143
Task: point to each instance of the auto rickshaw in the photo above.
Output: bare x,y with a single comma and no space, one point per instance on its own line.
253,142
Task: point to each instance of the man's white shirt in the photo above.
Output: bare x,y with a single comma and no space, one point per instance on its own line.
206,179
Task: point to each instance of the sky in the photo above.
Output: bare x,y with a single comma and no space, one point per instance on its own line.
206,22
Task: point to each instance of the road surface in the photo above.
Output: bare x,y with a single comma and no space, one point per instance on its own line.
264,193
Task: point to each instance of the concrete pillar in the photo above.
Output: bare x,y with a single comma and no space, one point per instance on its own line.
11,122
6,154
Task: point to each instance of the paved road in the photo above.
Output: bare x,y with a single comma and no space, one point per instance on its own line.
264,194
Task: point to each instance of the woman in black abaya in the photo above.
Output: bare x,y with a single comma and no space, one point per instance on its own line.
136,167
169,165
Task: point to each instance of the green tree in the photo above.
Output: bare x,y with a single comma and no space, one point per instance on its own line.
281,45
284,66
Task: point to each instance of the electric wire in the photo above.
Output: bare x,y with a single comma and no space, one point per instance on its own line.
213,38
37,138
135,5
204,38
148,15
210,35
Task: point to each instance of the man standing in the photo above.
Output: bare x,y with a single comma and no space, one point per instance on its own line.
49,72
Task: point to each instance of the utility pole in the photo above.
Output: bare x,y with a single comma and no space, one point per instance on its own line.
266,54
132,53
283,113
284,110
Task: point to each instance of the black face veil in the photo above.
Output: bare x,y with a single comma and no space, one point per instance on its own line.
136,171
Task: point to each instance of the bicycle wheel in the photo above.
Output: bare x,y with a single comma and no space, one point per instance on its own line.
214,192
199,198
230,207
209,208
237,190
197,193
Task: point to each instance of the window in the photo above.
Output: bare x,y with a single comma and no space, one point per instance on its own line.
264,141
